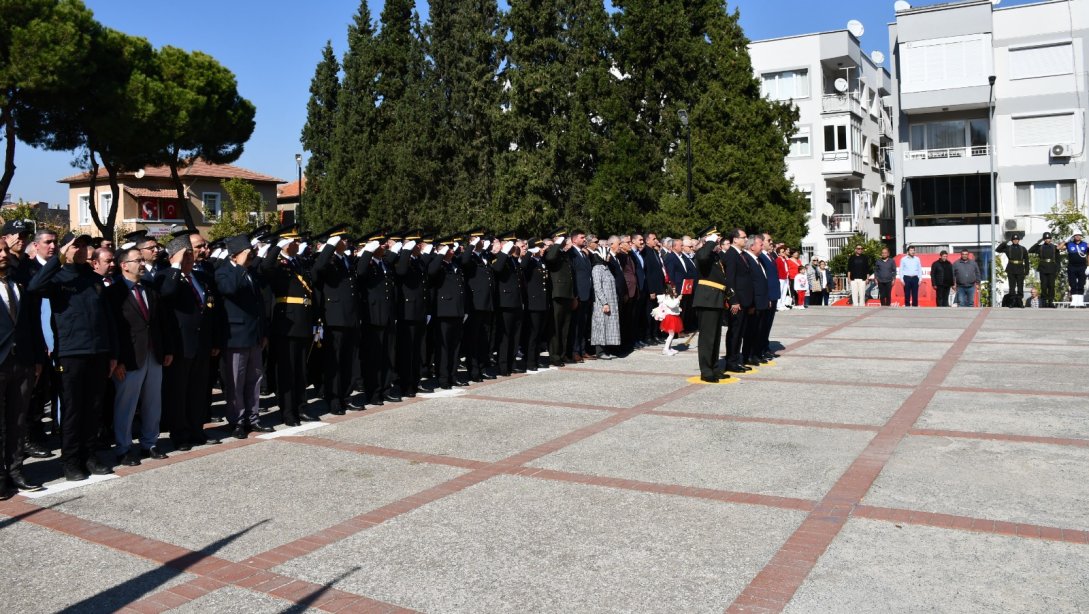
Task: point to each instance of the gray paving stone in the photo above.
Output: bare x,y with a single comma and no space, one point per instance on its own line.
795,401
1008,414
1016,482
880,568
47,571
1074,334
788,461
1025,352
464,428
1042,378
875,349
861,370
619,390
266,495
241,601
897,333
516,544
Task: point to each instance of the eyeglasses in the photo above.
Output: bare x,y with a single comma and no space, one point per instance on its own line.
140,260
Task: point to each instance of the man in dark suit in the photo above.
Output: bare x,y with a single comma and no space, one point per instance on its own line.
448,278
22,355
581,268
335,278
84,347
194,332
656,283
739,277
771,271
510,286
563,296
709,299
480,304
538,302
752,351
47,387
143,351
380,301
410,312
247,334
637,316
680,270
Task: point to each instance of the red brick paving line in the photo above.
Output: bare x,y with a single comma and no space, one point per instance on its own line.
1057,441
759,420
775,585
866,358
1034,393
416,457
912,341
828,331
969,523
542,402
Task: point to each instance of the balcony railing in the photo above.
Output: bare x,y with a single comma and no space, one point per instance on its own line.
841,103
841,222
842,163
944,154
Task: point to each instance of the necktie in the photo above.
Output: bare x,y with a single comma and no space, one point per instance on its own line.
140,302
9,298
196,294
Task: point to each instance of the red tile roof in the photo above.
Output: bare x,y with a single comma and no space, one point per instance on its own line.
145,193
290,190
199,168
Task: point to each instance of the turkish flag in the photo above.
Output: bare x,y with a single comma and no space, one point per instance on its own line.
170,210
149,210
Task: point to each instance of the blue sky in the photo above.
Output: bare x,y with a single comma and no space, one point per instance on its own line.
273,46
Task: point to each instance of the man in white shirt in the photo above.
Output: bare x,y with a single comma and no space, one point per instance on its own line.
911,270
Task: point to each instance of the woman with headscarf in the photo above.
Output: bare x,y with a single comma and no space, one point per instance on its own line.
605,321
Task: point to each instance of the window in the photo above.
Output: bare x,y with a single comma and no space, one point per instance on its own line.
786,85
940,201
950,134
835,138
799,144
1038,198
105,205
211,205
1043,129
84,210
1041,61
945,63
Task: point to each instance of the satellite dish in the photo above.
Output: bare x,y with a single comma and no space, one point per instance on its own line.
877,57
139,174
901,6
855,27
841,85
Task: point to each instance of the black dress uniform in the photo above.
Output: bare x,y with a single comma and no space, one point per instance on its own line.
1048,268
563,295
1017,267
335,277
510,288
538,307
480,279
292,328
411,313
709,299
379,326
448,279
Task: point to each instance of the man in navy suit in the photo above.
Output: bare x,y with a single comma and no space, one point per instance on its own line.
680,268
656,283
774,294
739,277
581,268
753,345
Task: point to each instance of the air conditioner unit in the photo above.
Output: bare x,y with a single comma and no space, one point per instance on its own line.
1013,228
1061,151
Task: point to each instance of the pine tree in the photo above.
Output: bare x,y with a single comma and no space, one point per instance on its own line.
318,133
351,177
464,42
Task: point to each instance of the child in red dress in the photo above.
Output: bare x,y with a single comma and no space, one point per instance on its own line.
668,312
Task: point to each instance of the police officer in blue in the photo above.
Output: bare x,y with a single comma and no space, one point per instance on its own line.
1076,251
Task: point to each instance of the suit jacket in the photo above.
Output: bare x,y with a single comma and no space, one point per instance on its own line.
582,273
772,273
510,284
244,304
760,287
656,283
379,288
538,285
679,268
191,326
82,320
640,271
559,269
137,335
414,300
336,288
631,278
710,292
448,279
293,314
739,277
22,338
481,280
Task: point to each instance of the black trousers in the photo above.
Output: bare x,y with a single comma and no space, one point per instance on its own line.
1047,288
753,343
884,291
338,352
709,324
766,321
16,382
185,398
290,364
1075,275
82,380
509,332
580,327
942,293
447,340
688,314
1017,284
738,326
411,337
44,394
430,358
536,325
379,350
561,329
478,341
637,317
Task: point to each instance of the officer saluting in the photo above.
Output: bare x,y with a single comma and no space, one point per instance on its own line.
709,300
335,281
375,270
292,320
509,287
1048,268
538,302
1016,268
448,279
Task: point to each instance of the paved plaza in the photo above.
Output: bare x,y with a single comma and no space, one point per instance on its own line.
890,460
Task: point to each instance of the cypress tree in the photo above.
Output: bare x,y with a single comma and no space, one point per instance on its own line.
317,133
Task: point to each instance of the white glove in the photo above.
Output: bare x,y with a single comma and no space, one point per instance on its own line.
426,249
534,250
559,240
396,248
474,241
302,248
338,240
487,244
261,251
254,241
408,246
219,253
371,247
711,238
442,250
282,243
507,247
456,245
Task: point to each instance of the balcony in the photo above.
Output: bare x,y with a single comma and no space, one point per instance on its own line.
841,222
842,103
949,153
842,164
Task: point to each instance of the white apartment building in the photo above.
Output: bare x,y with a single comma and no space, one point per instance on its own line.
943,57
841,151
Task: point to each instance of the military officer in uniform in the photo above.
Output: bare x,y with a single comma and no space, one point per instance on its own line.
293,321
709,299
448,279
375,269
1048,267
335,278
1016,267
538,303
411,314
510,288
563,295
480,278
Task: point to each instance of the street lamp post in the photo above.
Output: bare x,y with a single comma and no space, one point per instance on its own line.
298,207
991,178
683,116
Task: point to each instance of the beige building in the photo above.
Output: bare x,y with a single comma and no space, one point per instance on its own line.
149,199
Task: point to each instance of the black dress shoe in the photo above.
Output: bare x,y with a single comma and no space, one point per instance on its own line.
183,447
378,402
22,483
292,423
204,441
771,355
37,451
460,382
478,379
8,491
712,379
156,453
445,386
736,369
425,389
518,370
409,395
353,406
392,397
309,418
260,428
753,361
504,374
96,467
75,474
131,458
239,432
